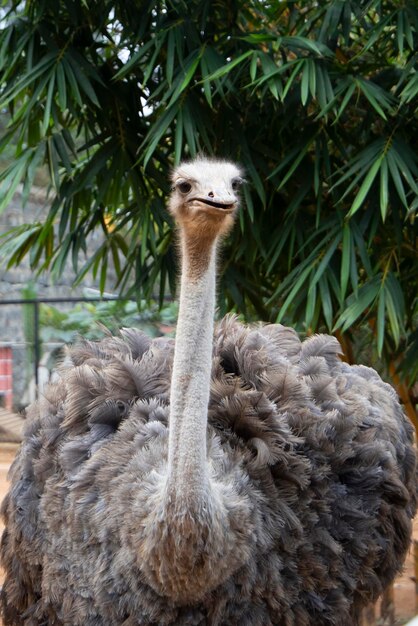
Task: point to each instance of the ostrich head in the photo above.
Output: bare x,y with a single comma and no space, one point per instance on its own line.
204,197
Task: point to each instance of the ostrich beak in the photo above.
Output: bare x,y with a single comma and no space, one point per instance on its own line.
224,205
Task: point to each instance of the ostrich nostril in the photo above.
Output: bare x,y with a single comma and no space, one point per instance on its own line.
211,194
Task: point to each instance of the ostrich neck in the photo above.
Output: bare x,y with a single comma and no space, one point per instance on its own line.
189,396
197,530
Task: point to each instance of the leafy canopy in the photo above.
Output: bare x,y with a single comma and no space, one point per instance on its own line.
316,99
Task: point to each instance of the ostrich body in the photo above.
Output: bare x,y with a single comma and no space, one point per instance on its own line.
238,476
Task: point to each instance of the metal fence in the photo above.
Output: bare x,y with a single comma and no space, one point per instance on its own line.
23,347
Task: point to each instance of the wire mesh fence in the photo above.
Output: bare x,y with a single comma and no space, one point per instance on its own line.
34,331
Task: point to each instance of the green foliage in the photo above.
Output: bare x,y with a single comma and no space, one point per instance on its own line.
318,101
28,320
93,320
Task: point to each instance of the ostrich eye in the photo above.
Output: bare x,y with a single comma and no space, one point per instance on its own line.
184,187
236,183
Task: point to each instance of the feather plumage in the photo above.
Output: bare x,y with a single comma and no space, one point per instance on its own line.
322,450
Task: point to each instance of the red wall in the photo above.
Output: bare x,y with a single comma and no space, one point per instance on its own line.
6,377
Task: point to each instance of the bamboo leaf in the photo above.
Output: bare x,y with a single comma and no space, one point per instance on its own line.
249,203
15,240
361,247
253,66
392,312
405,164
408,30
83,81
397,294
279,245
325,90
178,142
348,95
27,79
384,192
300,156
304,43
158,131
103,274
6,36
297,67
312,78
293,292
380,325
410,90
310,303
206,83
400,31
358,305
258,38
135,58
365,186
190,130
31,170
170,56
48,104
396,177
358,164
75,92
10,179
326,301
325,259
345,260
226,69
61,87
304,85
189,72
375,95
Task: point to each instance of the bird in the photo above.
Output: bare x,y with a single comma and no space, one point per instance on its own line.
236,474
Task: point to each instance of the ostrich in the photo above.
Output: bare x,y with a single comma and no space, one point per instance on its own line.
236,476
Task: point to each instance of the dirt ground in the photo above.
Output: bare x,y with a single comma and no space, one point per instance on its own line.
404,587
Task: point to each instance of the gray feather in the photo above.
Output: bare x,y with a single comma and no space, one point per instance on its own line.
321,452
